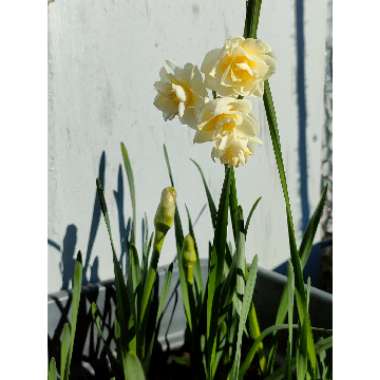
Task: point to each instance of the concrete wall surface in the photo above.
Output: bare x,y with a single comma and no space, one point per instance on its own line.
104,56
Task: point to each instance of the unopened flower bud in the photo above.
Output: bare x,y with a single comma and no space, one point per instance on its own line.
189,257
164,217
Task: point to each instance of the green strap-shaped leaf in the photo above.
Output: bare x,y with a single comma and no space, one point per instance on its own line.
52,370
247,301
132,367
275,137
324,344
220,236
131,182
239,288
211,203
305,250
133,282
295,258
198,270
291,290
122,307
216,262
234,207
251,211
311,229
256,345
65,349
68,338
185,291
165,291
307,346
321,346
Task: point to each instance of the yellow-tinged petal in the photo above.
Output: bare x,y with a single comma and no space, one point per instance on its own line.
180,92
239,68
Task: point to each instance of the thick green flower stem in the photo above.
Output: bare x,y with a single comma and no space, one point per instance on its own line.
252,18
159,238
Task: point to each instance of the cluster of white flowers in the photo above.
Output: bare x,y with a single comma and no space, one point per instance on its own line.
236,70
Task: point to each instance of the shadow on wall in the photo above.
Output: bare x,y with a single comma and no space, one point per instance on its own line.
69,249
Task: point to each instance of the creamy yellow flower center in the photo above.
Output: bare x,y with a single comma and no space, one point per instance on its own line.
240,67
181,93
223,122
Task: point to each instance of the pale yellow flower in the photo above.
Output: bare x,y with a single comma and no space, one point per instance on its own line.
233,149
222,116
181,91
240,67
228,123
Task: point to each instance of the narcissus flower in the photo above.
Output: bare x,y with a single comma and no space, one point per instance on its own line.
233,149
228,123
240,67
181,91
222,116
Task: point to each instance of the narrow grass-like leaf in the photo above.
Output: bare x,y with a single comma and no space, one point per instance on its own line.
275,137
311,229
305,249
65,349
256,346
132,367
247,301
220,236
133,282
254,332
184,286
251,211
165,290
211,203
307,341
291,290
122,310
77,286
216,263
68,337
234,207
324,344
239,273
52,369
131,182
321,346
211,287
308,290
295,258
135,270
197,267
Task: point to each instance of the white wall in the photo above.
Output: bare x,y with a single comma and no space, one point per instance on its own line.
104,57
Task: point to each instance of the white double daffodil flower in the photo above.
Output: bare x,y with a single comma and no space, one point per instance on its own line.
181,92
228,122
238,69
